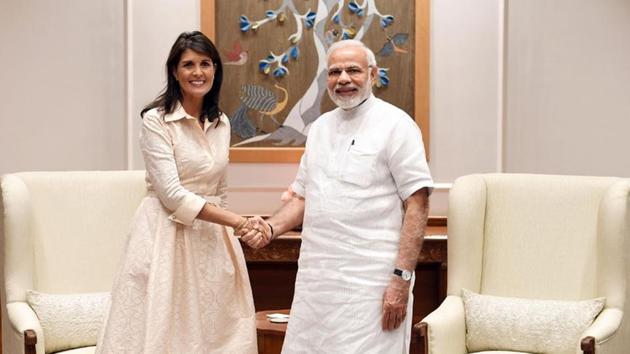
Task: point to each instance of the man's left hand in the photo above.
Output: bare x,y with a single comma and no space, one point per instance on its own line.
395,303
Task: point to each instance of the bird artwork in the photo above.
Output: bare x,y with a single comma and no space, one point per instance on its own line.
236,56
262,114
262,100
241,124
392,45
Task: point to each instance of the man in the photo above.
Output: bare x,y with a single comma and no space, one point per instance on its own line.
361,193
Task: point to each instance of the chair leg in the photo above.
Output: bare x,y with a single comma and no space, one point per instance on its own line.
30,340
422,329
588,345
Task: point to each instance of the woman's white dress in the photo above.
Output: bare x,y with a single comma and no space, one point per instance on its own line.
183,285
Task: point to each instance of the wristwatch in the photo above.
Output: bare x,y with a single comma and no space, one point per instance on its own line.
404,274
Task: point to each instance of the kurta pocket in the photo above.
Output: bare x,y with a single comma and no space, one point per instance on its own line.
359,168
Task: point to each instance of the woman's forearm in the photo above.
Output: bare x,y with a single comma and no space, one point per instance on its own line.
214,214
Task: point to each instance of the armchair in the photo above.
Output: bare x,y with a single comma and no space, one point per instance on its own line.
536,237
62,233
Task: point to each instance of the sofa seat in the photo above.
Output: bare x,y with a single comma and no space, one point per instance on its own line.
490,352
91,350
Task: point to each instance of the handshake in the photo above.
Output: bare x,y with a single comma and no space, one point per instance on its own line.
254,231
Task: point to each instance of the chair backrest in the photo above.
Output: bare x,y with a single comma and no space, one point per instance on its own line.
539,236
64,232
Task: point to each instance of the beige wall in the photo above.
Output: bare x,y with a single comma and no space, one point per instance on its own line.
62,85
465,53
568,87
516,85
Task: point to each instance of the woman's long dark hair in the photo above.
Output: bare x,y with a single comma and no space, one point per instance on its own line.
172,94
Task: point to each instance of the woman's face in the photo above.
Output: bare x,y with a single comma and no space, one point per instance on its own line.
195,74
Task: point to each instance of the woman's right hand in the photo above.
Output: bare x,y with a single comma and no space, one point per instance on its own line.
243,227
258,235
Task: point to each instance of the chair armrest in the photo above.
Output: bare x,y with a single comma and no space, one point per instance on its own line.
422,329
22,318
30,342
445,328
602,331
588,345
605,325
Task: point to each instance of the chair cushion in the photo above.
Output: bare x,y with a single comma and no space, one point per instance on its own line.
490,352
69,320
494,352
85,350
526,325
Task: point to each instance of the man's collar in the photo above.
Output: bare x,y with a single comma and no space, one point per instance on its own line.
359,109
357,106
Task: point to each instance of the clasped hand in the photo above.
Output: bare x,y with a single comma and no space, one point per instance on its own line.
255,232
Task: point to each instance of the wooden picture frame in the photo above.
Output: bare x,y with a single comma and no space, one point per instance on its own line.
420,86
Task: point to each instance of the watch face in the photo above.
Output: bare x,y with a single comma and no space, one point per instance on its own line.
404,274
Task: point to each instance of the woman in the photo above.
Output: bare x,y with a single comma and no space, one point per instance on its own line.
183,286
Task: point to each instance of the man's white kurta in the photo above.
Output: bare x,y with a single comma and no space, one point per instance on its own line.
357,169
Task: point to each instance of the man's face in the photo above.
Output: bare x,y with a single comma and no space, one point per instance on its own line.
349,77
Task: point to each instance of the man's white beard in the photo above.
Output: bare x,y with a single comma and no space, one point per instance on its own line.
353,101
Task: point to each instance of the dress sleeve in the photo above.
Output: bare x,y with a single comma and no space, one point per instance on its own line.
406,159
157,149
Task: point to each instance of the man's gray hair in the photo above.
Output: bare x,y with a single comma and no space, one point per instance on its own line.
371,59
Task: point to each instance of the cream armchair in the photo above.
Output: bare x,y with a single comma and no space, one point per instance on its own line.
63,233
536,237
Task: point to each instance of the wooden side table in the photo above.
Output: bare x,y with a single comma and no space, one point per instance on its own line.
270,335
